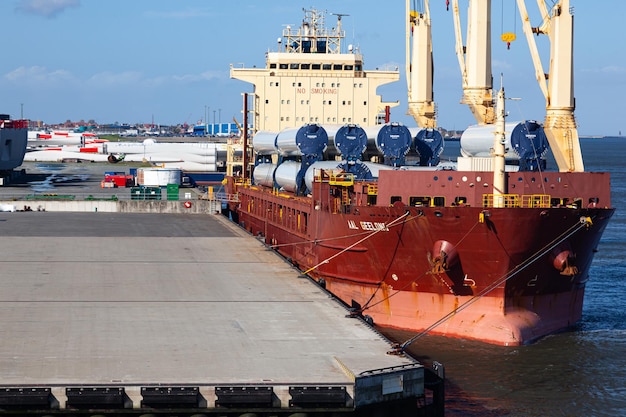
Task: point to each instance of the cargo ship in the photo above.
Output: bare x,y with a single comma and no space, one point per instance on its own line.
493,247
13,140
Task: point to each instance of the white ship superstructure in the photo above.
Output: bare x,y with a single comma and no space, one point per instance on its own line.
310,80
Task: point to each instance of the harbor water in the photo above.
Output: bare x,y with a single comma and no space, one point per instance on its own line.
580,372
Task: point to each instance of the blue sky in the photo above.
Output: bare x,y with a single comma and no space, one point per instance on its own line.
134,61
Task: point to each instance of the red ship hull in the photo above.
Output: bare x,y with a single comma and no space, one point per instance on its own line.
505,276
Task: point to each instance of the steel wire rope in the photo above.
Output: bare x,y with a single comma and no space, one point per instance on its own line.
327,260
413,280
380,282
583,222
389,225
320,240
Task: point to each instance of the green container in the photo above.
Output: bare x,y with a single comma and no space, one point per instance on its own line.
137,193
172,192
152,193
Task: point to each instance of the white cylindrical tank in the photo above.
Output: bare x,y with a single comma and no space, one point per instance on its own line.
478,140
264,174
264,143
158,177
285,175
286,142
313,170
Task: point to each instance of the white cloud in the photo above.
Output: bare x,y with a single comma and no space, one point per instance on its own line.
107,79
613,69
47,8
38,75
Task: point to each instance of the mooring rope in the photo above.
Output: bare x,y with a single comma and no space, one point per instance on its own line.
583,222
368,306
327,260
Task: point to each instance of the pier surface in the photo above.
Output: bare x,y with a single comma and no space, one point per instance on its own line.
129,301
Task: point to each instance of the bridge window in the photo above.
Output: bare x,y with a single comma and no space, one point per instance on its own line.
283,66
327,67
337,67
316,66
305,66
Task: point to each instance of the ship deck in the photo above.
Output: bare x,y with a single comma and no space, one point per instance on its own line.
134,311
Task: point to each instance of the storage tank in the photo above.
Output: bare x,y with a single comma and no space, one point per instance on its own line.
158,177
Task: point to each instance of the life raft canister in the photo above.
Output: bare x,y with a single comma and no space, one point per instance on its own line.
187,204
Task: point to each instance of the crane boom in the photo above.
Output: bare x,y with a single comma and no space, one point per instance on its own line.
419,67
560,124
475,59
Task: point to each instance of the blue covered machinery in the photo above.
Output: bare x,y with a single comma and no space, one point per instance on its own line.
394,141
297,151
302,146
429,145
351,141
530,143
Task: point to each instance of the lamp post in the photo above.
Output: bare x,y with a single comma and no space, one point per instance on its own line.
206,119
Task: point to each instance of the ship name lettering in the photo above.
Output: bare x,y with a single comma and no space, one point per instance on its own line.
374,226
352,225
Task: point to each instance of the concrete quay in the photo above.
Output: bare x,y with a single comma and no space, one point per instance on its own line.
136,313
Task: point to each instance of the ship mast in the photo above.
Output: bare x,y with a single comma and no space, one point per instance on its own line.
419,67
475,59
499,176
560,124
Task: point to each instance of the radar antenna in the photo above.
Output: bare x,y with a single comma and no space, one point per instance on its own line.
338,31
